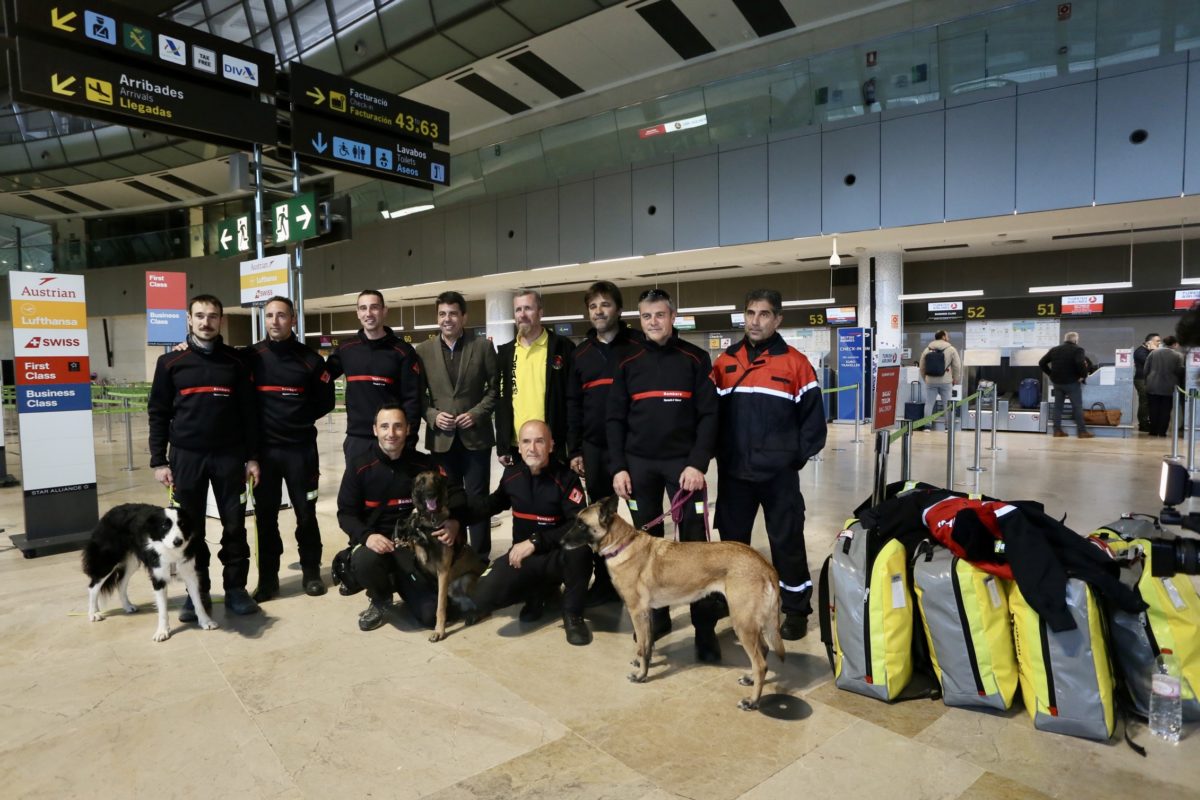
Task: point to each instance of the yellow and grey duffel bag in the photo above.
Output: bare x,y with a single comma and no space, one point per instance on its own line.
1066,677
1171,623
867,613
965,615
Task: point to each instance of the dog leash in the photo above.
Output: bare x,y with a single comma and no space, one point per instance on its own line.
678,503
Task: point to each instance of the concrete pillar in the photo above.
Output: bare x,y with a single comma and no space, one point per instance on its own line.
889,284
499,312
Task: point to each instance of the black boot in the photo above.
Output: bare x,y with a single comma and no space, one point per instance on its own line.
313,585
708,649
268,584
578,632
794,626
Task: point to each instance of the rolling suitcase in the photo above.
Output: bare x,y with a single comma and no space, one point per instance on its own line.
915,407
1030,393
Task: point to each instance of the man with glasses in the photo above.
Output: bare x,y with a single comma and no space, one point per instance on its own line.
772,423
662,431
532,377
379,368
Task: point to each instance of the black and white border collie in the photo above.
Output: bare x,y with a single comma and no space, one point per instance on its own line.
159,538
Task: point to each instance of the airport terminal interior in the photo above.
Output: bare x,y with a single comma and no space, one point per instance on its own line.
1004,172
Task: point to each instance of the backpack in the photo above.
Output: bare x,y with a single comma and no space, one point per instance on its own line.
965,616
935,362
1172,621
1066,677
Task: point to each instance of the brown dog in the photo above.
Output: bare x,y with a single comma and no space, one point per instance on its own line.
455,568
649,572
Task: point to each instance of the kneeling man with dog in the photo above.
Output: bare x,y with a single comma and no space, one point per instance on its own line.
545,496
376,494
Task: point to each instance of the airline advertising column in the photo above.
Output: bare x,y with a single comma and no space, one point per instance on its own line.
54,408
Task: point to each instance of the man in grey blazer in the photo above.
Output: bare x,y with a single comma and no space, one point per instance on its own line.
460,393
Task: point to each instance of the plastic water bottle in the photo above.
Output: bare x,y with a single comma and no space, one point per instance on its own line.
1166,709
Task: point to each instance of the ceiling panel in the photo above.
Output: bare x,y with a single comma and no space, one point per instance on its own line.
540,16
435,56
489,32
720,22
390,76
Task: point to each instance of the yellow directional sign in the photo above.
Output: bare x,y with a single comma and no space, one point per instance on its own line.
62,22
98,91
337,101
63,86
316,94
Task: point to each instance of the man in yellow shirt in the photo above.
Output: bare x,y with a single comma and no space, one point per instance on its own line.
533,377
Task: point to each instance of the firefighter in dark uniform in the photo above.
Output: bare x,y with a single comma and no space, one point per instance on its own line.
771,423
294,391
375,494
379,368
662,429
544,495
593,364
201,403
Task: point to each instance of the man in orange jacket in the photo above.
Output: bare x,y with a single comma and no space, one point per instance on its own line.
771,422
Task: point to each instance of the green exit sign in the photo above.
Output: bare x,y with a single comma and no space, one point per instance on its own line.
295,219
235,236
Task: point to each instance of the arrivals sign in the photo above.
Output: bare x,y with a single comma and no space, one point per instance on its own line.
1083,304
106,62
264,278
54,403
166,307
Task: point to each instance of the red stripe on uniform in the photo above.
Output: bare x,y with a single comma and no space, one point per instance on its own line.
206,390
292,389
395,501
669,394
598,382
535,517
372,378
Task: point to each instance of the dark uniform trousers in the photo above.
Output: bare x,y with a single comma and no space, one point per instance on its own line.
651,478
192,471
298,467
474,469
355,446
783,509
599,486
502,584
397,571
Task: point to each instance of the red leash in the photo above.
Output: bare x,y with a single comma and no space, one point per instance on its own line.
678,503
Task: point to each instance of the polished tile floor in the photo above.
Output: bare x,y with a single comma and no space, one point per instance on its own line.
296,702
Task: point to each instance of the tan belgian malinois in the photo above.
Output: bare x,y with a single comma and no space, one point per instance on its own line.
649,572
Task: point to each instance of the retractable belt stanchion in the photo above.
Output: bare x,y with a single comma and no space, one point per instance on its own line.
857,415
1192,429
906,452
995,416
883,442
128,436
1175,424
977,467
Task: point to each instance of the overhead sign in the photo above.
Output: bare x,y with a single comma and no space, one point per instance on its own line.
368,151
359,104
235,236
673,127
841,315
264,278
1186,298
143,96
54,404
116,32
1083,304
166,307
952,309
295,219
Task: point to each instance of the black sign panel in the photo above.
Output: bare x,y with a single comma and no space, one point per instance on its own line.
365,151
125,35
1046,306
142,97
358,104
